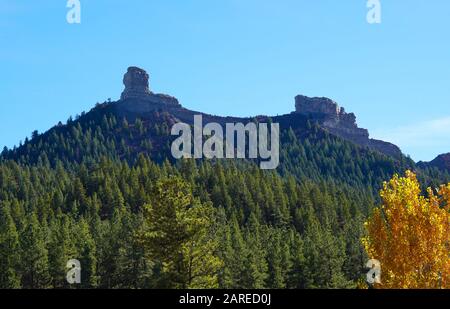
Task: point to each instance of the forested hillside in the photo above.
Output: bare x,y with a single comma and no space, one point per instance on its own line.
271,232
103,189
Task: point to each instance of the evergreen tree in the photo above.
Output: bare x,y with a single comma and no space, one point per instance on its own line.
34,255
179,236
86,255
9,250
61,249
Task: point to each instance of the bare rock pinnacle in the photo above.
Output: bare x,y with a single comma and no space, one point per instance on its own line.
137,96
136,84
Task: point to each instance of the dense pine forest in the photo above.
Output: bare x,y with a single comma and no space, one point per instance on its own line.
103,189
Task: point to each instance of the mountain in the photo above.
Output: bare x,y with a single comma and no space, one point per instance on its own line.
104,189
441,162
319,140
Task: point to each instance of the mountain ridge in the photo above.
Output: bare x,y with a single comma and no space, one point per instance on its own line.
161,111
441,162
137,98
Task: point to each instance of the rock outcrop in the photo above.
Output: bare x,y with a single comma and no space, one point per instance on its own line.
337,121
136,84
316,106
137,95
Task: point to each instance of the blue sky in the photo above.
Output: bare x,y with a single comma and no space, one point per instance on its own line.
233,57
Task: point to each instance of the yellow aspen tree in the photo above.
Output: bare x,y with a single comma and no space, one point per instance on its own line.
410,235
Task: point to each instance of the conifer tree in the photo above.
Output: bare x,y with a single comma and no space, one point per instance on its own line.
34,255
179,236
87,255
61,249
9,250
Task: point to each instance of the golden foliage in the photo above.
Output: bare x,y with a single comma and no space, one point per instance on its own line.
410,235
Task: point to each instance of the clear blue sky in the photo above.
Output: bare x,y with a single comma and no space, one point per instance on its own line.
233,57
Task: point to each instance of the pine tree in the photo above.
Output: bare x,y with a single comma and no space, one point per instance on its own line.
226,254
61,249
34,255
296,276
9,250
257,266
276,278
134,270
179,236
86,255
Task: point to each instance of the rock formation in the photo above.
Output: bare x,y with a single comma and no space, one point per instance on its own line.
137,95
335,120
136,84
316,106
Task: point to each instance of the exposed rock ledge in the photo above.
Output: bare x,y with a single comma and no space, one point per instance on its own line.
334,119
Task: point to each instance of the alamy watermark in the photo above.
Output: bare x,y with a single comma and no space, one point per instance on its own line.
74,14
73,276
374,274
374,13
231,145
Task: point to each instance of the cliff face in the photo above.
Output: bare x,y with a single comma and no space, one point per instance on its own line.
337,121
